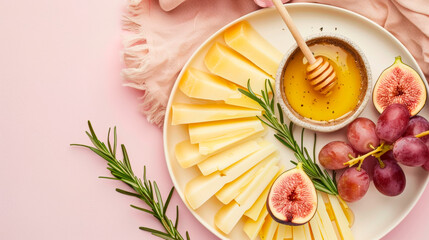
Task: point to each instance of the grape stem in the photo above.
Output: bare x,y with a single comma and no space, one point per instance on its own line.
376,152
425,133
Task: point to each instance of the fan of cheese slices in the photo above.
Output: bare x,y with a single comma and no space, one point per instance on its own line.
226,143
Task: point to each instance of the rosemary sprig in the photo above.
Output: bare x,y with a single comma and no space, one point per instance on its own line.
284,133
144,190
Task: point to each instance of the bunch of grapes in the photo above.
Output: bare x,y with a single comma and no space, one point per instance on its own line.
375,152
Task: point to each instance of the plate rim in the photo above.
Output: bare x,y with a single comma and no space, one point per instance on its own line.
394,223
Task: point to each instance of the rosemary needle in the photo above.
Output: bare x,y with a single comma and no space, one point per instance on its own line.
145,190
284,133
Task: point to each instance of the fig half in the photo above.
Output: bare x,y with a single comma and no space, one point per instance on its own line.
292,199
399,83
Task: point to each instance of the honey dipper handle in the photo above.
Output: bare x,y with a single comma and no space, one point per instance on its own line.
295,33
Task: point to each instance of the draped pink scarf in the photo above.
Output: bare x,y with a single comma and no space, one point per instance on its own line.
161,35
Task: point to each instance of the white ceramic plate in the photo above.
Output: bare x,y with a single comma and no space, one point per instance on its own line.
375,214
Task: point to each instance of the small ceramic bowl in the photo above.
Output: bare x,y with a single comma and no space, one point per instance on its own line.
335,124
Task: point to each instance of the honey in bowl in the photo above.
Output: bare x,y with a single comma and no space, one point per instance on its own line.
343,100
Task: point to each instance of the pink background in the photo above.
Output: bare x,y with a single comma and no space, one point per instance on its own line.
60,66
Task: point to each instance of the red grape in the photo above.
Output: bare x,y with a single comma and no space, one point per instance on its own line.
353,184
425,166
334,154
338,173
416,125
361,134
389,180
393,122
388,156
368,165
410,151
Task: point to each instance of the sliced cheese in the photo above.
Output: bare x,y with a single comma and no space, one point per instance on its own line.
202,188
234,188
239,99
288,232
321,227
307,231
252,228
340,219
191,113
212,147
199,84
243,38
268,229
228,157
210,131
337,232
284,232
347,211
280,233
298,233
315,228
227,63
258,184
188,154
256,208
325,220
229,215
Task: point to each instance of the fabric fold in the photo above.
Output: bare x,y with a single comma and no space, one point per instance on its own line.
160,36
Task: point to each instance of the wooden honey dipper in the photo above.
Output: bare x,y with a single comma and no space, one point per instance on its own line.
320,73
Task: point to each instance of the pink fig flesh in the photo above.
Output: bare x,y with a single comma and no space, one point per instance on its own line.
292,199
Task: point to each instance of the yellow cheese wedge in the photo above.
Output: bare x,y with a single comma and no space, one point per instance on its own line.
315,228
280,233
227,63
321,227
199,84
325,220
234,188
188,154
201,188
256,208
268,229
348,212
243,38
228,157
258,184
340,219
212,147
284,232
307,231
252,228
191,113
288,232
229,215
241,100
210,131
298,233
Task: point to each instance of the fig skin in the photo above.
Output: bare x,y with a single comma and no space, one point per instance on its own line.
399,83
276,195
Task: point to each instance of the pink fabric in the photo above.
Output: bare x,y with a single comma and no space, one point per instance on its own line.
163,35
